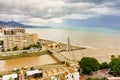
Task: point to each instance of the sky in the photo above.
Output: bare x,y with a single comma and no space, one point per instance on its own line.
57,13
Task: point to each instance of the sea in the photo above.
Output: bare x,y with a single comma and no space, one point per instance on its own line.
84,36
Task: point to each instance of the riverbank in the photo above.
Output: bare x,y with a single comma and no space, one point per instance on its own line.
29,53
25,54
43,67
32,58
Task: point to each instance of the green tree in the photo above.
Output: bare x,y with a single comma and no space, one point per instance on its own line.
115,66
89,64
8,49
119,56
15,48
93,78
28,47
90,78
2,50
10,78
104,65
38,45
1,75
112,57
1,42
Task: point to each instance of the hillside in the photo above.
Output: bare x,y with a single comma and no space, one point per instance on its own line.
16,24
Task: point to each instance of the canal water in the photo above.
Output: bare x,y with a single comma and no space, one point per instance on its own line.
10,64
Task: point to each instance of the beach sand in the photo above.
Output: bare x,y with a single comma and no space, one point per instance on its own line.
101,49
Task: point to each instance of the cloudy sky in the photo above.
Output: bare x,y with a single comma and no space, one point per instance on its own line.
101,13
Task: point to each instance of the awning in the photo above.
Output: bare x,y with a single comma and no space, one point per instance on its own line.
32,72
7,77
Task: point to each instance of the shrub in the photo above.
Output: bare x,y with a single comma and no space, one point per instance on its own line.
89,64
104,65
15,48
115,66
1,42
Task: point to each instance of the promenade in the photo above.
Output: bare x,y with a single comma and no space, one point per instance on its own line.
21,53
9,53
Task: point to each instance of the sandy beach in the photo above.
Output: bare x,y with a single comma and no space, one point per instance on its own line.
101,49
101,43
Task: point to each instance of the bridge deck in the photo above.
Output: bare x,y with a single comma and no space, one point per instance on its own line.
67,60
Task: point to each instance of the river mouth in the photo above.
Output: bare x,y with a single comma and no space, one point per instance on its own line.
10,64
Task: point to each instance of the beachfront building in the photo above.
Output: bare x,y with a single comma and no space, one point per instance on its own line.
33,37
20,41
13,31
17,37
73,76
10,31
20,30
1,33
10,77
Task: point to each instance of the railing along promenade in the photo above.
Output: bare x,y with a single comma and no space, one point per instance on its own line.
9,53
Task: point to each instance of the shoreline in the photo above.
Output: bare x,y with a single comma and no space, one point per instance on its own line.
23,55
62,48
102,55
98,53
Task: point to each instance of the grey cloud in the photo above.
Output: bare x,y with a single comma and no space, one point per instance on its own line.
116,5
30,10
89,1
46,11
